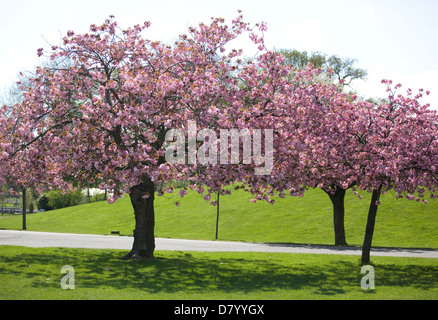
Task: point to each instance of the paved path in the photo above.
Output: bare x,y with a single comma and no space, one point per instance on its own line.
69,240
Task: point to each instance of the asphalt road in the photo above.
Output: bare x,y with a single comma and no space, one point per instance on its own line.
69,240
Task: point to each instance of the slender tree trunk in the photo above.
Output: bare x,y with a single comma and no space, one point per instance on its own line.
337,199
371,221
24,208
217,216
144,238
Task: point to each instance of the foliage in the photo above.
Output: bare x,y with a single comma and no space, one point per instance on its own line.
104,116
301,59
341,70
43,203
57,200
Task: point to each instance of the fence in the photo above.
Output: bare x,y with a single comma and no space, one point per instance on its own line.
10,210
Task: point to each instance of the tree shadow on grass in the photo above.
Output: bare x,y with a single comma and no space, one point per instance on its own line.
186,272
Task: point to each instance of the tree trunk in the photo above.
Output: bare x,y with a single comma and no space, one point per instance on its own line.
144,238
217,216
337,199
24,208
371,221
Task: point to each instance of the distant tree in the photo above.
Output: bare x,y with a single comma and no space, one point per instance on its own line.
334,67
300,59
344,70
14,93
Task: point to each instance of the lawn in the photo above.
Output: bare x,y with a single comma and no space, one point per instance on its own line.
35,273
400,223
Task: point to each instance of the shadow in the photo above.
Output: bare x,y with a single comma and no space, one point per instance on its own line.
312,246
358,249
413,249
345,247
418,276
186,272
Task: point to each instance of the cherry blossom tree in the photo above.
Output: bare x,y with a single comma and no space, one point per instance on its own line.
328,145
104,116
316,143
334,142
402,155
326,134
4,143
19,174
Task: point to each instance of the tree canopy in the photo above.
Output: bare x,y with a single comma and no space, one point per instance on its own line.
337,68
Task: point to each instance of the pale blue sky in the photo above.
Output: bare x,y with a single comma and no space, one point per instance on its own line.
394,39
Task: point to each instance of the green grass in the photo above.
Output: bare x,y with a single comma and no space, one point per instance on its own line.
35,273
400,223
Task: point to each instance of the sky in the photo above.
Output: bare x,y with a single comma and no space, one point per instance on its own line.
391,39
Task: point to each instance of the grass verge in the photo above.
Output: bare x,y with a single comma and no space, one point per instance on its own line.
400,223
35,273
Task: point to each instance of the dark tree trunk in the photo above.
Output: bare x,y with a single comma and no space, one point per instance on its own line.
369,231
24,208
144,238
337,199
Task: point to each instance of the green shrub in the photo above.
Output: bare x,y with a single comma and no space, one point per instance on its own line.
57,200
43,203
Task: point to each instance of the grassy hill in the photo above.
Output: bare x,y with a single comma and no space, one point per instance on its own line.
400,223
